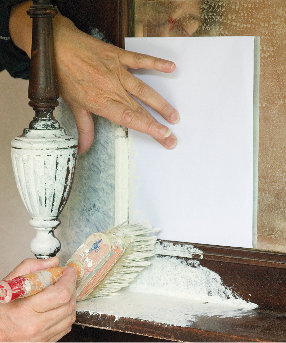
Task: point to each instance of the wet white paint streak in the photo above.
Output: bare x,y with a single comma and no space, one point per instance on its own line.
173,292
158,308
172,277
177,249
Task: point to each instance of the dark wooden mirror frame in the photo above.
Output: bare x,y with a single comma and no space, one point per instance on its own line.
254,275
115,21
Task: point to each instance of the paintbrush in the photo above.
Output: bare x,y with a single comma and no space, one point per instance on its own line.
105,263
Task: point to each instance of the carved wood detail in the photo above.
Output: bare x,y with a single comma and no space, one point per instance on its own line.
44,156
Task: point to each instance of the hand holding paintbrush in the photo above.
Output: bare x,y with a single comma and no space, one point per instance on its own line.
47,316
124,250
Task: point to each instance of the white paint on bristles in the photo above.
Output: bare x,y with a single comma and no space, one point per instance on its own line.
139,248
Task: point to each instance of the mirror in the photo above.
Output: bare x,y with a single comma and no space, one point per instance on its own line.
264,18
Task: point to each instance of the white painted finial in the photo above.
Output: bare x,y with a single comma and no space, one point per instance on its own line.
44,156
43,164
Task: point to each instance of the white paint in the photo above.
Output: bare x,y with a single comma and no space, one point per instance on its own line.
43,163
44,243
94,182
158,308
139,248
170,276
45,278
121,176
176,249
172,292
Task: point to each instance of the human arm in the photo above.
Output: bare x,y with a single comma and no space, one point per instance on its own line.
46,316
12,58
93,78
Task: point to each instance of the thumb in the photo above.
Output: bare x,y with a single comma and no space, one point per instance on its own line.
32,265
85,127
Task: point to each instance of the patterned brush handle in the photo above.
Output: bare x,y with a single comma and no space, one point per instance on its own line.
30,284
93,260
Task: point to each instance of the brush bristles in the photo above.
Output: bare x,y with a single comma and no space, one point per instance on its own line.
140,242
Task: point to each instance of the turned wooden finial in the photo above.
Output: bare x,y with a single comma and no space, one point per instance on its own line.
43,86
44,156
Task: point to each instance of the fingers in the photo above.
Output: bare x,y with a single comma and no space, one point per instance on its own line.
56,295
32,265
85,127
140,120
41,326
46,316
169,142
134,60
122,114
93,79
150,97
63,324
57,337
61,319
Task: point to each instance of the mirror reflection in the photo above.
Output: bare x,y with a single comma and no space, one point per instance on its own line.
263,18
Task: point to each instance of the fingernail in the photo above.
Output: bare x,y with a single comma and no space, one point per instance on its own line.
51,260
171,65
175,118
165,132
171,142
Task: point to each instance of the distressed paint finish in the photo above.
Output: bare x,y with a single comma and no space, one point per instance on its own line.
91,205
44,156
43,163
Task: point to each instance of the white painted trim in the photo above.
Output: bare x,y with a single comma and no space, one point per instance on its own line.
121,176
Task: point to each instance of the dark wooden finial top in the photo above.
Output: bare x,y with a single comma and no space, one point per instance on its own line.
43,85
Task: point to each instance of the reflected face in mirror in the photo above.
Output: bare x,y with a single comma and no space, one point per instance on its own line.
173,18
177,18
168,18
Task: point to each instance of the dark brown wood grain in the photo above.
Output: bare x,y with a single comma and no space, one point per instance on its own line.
43,86
256,276
258,326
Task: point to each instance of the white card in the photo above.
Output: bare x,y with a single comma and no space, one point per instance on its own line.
202,190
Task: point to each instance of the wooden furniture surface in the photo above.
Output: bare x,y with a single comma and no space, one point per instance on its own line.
254,276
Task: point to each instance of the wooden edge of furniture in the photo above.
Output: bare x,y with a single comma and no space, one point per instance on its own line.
256,276
157,330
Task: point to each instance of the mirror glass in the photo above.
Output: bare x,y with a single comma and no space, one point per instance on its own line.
263,18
